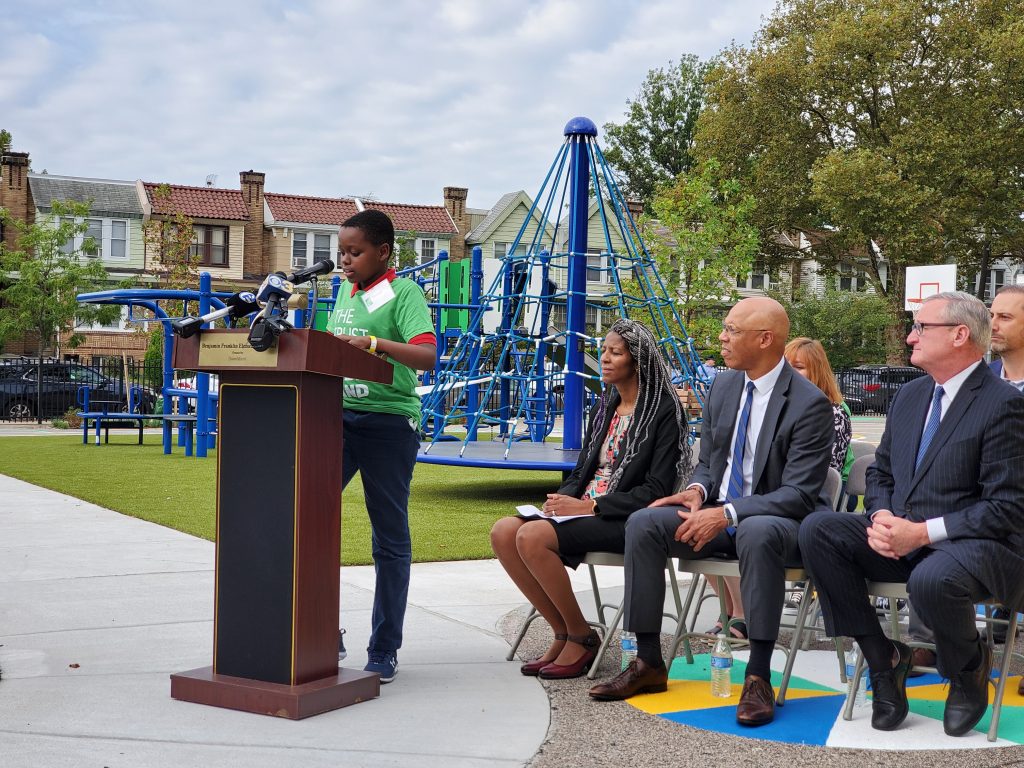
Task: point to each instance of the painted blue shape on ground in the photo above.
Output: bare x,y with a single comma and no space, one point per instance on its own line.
801,721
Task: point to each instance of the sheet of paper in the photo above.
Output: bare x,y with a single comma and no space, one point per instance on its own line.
528,510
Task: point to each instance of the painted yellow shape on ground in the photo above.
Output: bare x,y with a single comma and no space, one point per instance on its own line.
687,695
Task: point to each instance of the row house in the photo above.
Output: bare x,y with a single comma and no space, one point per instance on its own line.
239,235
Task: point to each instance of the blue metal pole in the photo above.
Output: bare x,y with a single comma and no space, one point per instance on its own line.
476,278
203,379
579,131
540,425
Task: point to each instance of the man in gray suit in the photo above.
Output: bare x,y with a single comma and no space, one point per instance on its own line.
945,504
764,454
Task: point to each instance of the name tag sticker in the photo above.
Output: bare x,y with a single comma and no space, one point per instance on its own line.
378,296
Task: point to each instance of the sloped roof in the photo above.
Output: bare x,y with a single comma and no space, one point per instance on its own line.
199,202
300,209
109,197
417,218
496,215
310,210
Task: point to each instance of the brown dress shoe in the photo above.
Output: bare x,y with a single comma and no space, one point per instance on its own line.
757,702
638,677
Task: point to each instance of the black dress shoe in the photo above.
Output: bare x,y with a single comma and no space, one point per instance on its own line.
889,706
757,702
968,696
638,677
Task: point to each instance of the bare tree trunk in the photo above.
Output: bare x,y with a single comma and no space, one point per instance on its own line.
983,269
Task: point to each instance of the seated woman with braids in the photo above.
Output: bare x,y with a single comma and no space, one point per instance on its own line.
635,451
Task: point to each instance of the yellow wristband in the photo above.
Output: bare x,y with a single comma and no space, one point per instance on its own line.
593,508
373,345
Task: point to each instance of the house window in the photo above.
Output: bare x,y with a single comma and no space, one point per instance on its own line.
69,244
209,245
756,280
94,230
302,242
852,278
321,248
502,249
118,239
427,252
298,250
996,280
597,262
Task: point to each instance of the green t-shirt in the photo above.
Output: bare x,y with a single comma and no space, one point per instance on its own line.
401,319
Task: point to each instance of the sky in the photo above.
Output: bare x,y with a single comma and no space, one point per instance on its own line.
388,99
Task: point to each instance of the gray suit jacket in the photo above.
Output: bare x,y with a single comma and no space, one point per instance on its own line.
972,476
793,450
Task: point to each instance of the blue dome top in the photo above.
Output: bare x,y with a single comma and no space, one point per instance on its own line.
580,126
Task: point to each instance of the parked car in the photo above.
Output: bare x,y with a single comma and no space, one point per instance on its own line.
872,387
19,390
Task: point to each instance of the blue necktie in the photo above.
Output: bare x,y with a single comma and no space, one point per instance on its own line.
739,448
934,417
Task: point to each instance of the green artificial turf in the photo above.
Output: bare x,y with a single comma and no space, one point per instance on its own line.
451,510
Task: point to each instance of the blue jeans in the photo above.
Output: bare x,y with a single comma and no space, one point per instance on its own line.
382,448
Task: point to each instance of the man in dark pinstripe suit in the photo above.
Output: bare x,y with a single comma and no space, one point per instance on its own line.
945,513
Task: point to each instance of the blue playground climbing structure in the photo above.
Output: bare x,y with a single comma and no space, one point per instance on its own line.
508,379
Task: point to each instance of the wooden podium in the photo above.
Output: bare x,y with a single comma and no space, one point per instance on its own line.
278,547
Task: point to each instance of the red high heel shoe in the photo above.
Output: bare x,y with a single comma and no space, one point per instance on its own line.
581,666
531,668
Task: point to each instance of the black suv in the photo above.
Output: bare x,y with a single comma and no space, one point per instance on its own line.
19,391
872,387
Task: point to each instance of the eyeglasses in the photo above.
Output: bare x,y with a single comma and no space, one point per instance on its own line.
919,328
732,330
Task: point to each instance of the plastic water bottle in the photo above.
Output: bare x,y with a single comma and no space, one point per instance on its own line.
628,640
861,699
721,669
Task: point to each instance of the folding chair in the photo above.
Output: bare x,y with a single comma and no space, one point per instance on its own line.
721,568
856,483
898,591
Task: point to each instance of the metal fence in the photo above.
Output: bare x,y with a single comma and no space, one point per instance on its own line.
113,383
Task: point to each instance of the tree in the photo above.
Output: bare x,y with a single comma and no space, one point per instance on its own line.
5,141
891,126
702,239
405,250
850,326
173,265
45,277
653,145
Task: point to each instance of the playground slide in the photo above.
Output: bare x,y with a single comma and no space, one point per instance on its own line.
556,354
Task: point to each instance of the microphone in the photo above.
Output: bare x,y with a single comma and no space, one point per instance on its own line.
306,274
274,289
237,305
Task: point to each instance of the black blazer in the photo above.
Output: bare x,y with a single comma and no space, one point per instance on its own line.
972,476
793,449
650,475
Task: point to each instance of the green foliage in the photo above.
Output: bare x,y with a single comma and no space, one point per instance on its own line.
702,238
888,129
850,326
5,141
405,250
42,296
448,522
654,143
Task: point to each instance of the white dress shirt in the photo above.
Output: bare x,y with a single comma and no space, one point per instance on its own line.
763,387
936,526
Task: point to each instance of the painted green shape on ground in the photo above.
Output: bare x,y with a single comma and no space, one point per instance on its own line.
701,670
1011,719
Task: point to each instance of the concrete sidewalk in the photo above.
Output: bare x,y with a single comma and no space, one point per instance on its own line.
97,610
